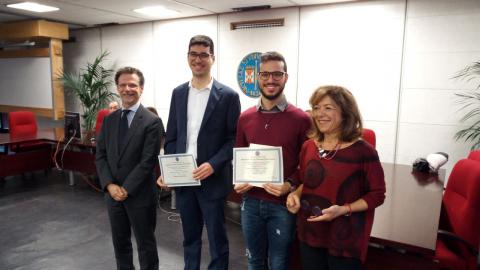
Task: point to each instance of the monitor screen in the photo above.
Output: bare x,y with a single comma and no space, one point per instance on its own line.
3,122
72,125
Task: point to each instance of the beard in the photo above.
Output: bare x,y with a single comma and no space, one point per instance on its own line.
274,96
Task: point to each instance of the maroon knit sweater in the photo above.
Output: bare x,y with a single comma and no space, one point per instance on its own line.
287,129
354,172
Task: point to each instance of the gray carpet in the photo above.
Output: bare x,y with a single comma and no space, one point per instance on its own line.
47,224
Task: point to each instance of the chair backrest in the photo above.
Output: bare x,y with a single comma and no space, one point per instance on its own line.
461,202
100,115
475,155
22,123
368,135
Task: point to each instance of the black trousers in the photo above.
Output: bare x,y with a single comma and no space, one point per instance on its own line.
314,258
142,220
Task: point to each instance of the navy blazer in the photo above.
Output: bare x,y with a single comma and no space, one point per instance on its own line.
216,136
132,166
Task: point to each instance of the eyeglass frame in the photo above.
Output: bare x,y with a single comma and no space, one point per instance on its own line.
262,74
201,56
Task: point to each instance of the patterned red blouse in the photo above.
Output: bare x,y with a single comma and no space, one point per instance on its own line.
354,172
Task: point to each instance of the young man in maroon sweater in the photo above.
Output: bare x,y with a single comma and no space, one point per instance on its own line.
267,226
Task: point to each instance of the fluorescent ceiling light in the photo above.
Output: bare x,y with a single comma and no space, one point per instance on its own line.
156,11
35,7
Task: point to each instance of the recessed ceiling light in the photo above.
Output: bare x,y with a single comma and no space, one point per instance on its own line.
156,11
35,7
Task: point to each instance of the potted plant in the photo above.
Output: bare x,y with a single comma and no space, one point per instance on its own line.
91,86
470,103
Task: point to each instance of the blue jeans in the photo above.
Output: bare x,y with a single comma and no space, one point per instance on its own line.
267,226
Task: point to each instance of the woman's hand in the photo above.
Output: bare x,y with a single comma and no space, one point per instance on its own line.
329,214
293,203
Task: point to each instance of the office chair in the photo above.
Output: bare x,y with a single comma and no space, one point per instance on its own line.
100,115
30,155
475,155
23,124
368,135
458,236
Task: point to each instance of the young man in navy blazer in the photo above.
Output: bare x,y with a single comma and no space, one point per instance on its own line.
127,151
202,121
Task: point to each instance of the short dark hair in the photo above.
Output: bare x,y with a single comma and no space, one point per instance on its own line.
273,56
130,70
203,40
351,127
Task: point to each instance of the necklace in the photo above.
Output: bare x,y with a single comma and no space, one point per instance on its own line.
327,154
269,120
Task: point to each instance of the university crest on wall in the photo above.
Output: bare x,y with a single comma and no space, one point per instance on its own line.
247,74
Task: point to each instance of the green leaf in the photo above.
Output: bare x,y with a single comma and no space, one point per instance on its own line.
91,86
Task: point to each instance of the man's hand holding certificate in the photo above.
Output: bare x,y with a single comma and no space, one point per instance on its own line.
177,170
258,165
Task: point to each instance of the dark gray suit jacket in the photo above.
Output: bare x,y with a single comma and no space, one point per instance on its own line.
133,166
216,137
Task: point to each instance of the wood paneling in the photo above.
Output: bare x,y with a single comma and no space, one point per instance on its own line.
33,29
56,52
48,38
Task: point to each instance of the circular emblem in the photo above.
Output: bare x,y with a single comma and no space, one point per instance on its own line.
247,74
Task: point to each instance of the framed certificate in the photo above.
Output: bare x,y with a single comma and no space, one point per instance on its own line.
258,166
177,170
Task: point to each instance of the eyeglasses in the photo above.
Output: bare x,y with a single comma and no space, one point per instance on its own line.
202,56
276,75
312,211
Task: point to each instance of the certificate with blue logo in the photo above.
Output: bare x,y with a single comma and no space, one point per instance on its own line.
258,165
177,170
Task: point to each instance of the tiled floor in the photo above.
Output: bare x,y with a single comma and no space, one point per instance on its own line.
47,224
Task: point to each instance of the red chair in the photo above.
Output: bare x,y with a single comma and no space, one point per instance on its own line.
30,154
368,135
100,115
23,125
459,234
475,155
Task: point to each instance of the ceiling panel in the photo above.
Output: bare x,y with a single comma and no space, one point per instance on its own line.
126,8
4,17
319,2
222,6
95,12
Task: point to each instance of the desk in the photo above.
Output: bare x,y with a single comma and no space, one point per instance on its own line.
48,135
80,157
409,217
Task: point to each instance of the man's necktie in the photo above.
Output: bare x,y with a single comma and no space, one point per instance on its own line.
123,129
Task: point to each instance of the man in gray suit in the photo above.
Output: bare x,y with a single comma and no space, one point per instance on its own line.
127,151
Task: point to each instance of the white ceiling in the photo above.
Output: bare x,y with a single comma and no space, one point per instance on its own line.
84,13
